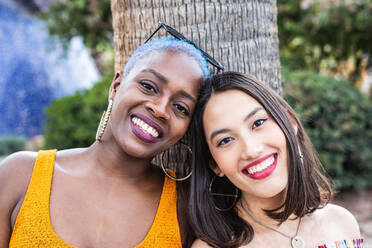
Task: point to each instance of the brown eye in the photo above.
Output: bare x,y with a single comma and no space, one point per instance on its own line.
259,122
147,86
224,141
182,109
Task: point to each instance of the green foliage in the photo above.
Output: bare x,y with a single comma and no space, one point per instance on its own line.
338,119
88,19
72,121
11,144
321,35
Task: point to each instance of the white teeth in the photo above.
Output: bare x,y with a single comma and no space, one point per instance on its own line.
261,166
145,127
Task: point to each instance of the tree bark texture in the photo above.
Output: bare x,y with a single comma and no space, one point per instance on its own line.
241,34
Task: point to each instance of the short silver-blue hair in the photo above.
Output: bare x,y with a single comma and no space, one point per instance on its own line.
165,44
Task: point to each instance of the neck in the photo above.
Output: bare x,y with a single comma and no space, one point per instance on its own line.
252,211
110,160
255,207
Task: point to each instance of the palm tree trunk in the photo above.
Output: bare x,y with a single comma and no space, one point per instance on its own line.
242,35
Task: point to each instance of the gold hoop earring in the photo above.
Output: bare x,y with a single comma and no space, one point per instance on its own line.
170,173
103,123
235,196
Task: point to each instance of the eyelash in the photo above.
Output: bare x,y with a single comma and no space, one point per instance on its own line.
256,124
147,86
259,122
179,107
224,141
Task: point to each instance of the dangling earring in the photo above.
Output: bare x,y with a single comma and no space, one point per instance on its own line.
235,196
103,123
301,155
170,173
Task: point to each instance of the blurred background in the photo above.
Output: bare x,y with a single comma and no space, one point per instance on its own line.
57,62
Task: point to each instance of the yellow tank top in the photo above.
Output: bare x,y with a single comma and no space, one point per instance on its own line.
33,227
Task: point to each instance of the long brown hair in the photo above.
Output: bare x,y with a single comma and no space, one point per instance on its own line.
308,185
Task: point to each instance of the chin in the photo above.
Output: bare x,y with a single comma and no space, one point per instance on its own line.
272,191
138,151
279,194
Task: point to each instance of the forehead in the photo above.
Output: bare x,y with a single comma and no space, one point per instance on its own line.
173,65
225,107
166,60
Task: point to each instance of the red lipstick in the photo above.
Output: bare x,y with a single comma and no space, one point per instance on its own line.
264,173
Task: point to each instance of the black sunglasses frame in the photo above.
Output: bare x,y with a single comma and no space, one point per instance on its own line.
179,36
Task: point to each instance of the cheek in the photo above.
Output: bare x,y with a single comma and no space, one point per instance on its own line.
224,160
179,129
275,137
115,117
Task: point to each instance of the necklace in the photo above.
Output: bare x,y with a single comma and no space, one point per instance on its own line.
296,241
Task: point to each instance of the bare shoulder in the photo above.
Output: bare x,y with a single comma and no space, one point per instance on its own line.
200,244
342,221
15,173
17,167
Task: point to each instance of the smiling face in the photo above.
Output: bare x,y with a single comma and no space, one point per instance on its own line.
153,104
247,145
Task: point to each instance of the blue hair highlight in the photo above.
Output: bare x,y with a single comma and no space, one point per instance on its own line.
165,44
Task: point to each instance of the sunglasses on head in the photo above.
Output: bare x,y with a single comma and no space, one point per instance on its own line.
179,36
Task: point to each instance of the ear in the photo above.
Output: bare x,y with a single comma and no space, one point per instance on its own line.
116,81
293,121
214,167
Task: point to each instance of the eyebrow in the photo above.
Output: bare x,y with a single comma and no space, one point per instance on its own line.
224,130
165,81
252,113
187,95
157,74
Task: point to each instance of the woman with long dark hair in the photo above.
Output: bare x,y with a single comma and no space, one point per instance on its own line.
257,181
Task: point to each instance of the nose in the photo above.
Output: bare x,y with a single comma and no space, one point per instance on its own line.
159,108
252,148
